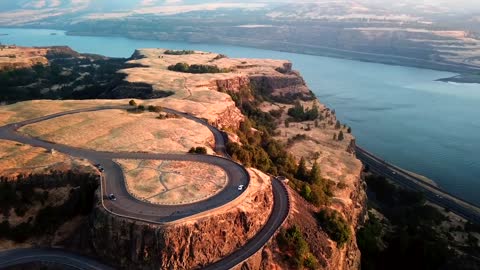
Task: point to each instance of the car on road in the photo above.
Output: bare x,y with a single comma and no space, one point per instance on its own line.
101,169
240,187
112,197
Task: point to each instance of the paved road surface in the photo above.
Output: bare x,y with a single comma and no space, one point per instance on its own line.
126,205
432,193
67,260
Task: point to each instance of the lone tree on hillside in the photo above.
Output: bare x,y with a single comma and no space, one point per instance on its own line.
340,136
338,125
132,103
349,130
301,173
315,177
334,136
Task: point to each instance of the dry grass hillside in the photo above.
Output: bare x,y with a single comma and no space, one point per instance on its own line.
122,131
21,57
17,158
172,182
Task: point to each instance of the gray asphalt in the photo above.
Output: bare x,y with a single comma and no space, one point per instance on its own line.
432,193
113,182
12,258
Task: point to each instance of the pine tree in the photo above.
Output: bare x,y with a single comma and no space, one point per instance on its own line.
301,170
340,136
334,136
338,125
315,174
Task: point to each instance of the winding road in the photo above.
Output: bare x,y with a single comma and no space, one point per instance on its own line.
129,207
432,193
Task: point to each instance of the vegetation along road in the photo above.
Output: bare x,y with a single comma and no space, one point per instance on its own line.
409,181
129,207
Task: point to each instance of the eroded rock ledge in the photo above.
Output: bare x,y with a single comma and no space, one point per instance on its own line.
188,244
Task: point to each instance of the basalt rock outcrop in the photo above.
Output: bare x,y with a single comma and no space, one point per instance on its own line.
188,244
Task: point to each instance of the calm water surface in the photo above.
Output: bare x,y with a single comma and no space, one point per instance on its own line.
401,114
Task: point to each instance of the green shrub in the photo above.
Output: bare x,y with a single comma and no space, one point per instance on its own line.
196,69
291,240
276,113
311,262
300,114
220,56
178,52
334,225
198,150
156,109
132,103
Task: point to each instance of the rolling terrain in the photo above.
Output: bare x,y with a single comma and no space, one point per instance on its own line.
206,89
434,35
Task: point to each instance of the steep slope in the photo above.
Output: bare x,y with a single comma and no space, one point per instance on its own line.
230,94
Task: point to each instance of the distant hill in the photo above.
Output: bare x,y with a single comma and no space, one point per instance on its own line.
430,34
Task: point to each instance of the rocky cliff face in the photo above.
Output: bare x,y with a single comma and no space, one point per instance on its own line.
329,255
338,165
279,84
184,245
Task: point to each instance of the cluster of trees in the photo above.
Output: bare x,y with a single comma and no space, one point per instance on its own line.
197,69
198,150
299,114
259,149
74,78
339,137
413,243
335,226
21,193
312,187
292,241
142,108
179,52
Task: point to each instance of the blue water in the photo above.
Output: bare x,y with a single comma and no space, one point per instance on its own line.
401,114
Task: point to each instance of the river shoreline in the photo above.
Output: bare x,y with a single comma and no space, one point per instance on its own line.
374,99
462,69
462,79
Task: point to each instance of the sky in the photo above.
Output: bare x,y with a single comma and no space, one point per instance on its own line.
422,6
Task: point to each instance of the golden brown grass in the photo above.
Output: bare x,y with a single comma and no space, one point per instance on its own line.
195,93
37,108
119,130
24,57
336,164
172,182
16,158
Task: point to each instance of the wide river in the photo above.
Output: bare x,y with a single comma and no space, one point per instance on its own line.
399,113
